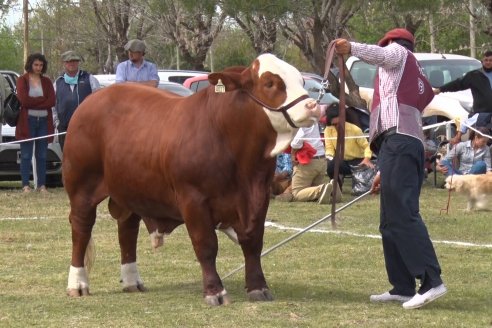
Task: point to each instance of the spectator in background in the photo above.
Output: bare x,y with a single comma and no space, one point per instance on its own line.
136,69
479,81
357,151
473,155
308,158
37,97
71,89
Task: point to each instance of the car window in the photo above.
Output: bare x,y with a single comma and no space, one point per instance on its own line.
199,85
438,71
442,71
313,87
363,74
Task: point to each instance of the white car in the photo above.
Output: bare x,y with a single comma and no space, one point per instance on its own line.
439,69
108,79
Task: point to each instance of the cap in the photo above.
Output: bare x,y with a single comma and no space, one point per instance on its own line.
397,33
135,45
70,55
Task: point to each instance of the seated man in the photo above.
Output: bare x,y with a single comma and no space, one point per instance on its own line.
473,155
308,158
357,151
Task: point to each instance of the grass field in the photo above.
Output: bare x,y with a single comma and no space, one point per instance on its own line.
323,278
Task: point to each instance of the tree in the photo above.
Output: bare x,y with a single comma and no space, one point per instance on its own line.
115,19
258,19
311,25
190,25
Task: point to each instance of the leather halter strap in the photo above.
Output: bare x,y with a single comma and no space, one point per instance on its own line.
282,109
340,148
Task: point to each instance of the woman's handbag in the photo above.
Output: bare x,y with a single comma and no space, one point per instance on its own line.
12,109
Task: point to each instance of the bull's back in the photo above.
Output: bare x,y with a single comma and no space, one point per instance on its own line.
135,142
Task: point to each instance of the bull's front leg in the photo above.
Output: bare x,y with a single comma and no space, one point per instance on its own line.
256,286
127,236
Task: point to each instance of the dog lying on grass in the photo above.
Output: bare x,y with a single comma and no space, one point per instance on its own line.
476,187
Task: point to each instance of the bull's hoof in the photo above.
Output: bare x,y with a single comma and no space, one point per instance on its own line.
221,298
78,292
135,289
262,295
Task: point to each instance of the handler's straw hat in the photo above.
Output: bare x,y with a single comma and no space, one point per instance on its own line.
397,33
135,45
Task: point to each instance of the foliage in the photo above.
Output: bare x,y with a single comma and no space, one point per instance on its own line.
10,50
323,278
181,33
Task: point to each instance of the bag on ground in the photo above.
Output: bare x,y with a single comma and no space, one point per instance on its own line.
362,178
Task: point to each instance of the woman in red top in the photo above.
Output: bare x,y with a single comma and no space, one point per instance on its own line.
36,95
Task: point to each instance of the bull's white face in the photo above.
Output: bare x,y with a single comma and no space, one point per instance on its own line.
303,114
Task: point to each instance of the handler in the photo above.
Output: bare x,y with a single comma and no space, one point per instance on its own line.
401,92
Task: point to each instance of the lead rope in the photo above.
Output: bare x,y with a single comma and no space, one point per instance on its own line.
340,148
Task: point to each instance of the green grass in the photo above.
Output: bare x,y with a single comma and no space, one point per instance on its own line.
318,279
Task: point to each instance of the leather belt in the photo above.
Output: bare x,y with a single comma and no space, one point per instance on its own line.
376,143
319,157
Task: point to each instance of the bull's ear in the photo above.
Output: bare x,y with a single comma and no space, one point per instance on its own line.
231,80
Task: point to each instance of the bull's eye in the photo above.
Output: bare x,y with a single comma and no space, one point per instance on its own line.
269,84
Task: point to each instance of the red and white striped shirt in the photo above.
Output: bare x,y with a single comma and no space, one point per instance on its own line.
391,64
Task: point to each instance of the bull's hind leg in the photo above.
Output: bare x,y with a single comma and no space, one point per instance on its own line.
128,235
82,218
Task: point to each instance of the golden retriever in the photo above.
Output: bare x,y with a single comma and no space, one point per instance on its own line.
476,187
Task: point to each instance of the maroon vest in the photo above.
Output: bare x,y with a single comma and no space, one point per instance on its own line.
414,93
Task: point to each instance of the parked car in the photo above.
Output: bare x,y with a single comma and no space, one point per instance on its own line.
108,79
440,69
10,153
178,76
196,83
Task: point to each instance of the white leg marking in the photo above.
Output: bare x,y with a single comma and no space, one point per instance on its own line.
130,276
77,278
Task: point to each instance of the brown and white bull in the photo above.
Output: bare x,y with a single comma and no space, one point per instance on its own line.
206,160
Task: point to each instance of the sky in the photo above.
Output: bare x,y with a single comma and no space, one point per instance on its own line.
15,13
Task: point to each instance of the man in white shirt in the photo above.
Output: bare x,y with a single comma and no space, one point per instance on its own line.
309,172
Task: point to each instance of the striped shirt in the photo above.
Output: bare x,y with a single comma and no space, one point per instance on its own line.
467,156
391,64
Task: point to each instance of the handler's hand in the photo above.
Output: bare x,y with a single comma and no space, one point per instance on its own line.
342,47
376,185
367,162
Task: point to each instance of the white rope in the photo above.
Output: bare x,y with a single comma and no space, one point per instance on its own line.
427,127
32,139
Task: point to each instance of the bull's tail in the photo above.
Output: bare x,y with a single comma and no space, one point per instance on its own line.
90,255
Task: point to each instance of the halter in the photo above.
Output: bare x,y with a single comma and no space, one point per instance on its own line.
282,109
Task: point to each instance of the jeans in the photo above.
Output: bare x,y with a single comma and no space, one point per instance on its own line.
479,167
38,126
